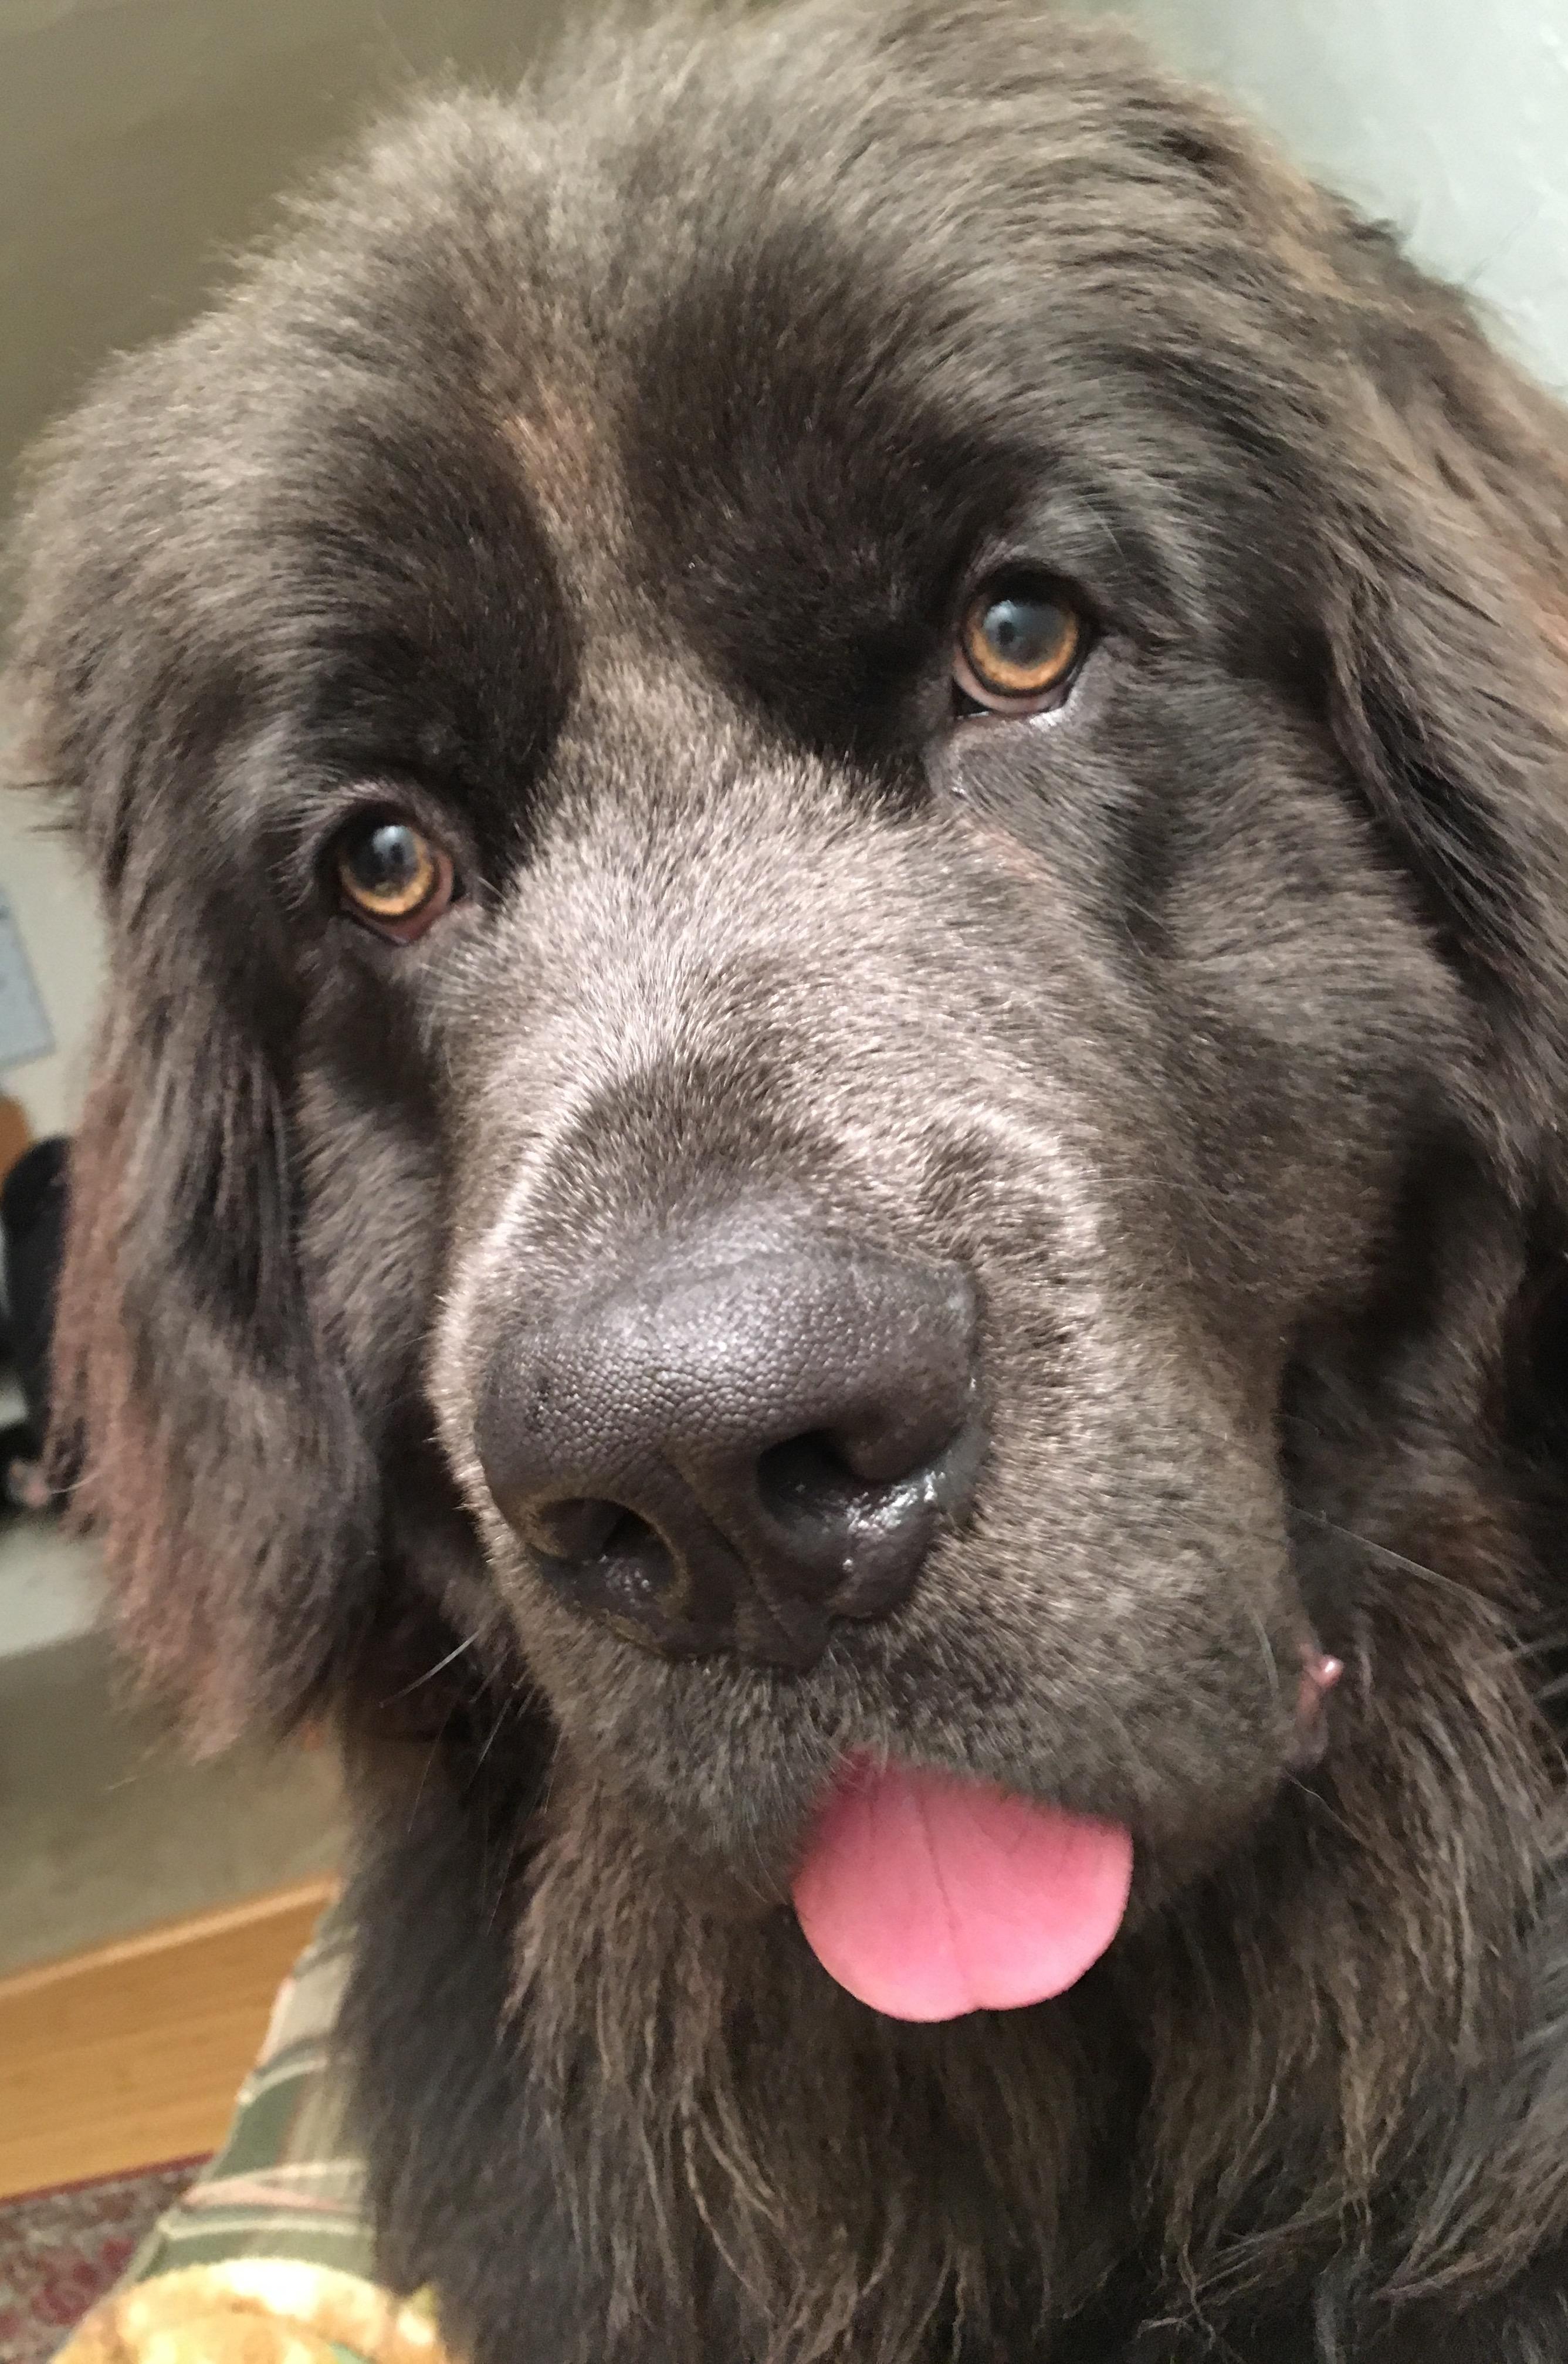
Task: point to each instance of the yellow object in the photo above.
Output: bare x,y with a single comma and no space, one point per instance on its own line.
257,2310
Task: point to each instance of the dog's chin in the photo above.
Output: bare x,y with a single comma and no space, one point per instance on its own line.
722,1803
956,1896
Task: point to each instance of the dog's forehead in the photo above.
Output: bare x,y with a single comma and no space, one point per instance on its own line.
757,360
769,371
832,310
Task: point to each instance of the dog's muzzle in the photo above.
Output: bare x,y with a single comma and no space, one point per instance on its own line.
746,1432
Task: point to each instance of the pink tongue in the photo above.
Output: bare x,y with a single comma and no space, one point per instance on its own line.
928,1896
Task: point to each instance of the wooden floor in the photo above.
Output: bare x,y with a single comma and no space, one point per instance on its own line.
133,2054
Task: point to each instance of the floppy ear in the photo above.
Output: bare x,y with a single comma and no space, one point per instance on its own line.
221,1458
218,1456
1448,626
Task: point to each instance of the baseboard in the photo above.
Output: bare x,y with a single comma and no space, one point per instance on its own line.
133,2053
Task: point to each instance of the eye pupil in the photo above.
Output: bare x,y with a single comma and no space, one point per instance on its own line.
1019,642
1024,632
389,871
1027,634
388,862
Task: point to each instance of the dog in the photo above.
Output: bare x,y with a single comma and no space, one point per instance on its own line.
829,768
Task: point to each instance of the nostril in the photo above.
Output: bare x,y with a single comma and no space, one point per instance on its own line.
588,1530
632,1538
887,1448
825,1476
572,1530
807,1478
608,1561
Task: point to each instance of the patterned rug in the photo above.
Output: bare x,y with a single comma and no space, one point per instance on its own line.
60,2250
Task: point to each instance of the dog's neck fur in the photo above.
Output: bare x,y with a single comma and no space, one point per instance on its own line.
1264,2079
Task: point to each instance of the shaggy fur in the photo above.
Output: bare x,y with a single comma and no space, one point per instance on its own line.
596,475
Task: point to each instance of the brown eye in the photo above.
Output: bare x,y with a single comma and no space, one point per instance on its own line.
392,877
1020,645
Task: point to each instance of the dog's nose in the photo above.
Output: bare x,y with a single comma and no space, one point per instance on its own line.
740,1438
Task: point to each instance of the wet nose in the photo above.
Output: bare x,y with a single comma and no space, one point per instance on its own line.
737,1441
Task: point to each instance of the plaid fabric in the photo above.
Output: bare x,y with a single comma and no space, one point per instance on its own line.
267,2258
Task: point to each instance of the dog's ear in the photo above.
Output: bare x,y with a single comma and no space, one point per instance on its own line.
218,1452
1447,605
213,1448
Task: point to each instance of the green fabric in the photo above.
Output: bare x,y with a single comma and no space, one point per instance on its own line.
269,2256
286,2183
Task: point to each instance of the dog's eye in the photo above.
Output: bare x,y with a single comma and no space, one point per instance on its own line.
391,876
1019,646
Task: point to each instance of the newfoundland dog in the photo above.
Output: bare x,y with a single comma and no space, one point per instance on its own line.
828,1167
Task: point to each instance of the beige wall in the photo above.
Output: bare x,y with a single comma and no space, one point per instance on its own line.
1450,119
141,141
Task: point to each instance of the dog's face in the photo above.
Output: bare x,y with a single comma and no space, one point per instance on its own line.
1106,1002
848,695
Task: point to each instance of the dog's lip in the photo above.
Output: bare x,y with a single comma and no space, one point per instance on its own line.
743,1865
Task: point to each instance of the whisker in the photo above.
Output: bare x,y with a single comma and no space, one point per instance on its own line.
1271,1663
430,1754
1320,1804
431,1672
507,1706
1386,1551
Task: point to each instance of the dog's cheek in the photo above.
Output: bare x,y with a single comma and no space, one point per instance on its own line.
371,1237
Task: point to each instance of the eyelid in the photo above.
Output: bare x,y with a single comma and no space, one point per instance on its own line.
345,795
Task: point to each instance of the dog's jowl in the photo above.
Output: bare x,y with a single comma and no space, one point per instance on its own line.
831,770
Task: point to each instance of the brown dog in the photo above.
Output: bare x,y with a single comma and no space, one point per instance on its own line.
831,773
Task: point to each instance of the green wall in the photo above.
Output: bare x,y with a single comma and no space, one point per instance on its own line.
1449,117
